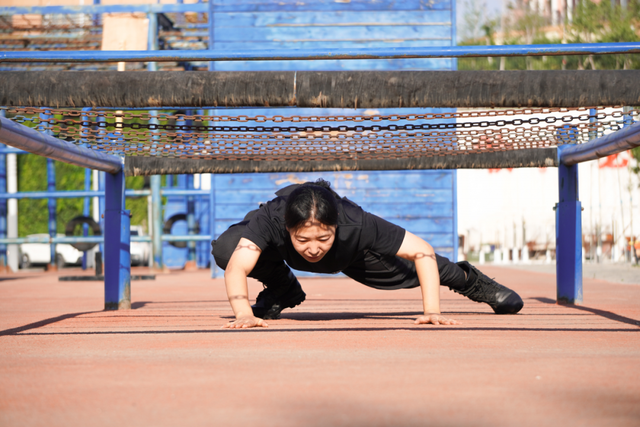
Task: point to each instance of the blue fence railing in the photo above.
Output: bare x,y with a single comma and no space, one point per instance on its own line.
321,54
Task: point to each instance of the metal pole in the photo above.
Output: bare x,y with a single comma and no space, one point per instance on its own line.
212,221
212,193
97,17
614,143
156,199
191,225
593,134
101,207
13,251
211,28
568,235
117,266
634,254
86,205
86,208
156,213
52,204
321,53
3,206
152,41
45,145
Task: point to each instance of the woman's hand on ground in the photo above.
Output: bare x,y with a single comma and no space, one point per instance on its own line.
246,322
435,319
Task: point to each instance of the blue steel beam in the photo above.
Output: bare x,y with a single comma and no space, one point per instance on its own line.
35,142
3,208
317,54
100,9
100,239
568,235
72,194
86,211
68,194
52,204
617,142
117,241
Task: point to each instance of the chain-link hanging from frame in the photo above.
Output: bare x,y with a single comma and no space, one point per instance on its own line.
326,137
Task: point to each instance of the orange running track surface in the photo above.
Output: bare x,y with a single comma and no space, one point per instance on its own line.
348,356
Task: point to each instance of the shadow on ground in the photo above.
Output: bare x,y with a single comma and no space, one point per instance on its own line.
606,314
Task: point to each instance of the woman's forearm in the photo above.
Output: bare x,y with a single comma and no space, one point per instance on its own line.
429,278
422,254
237,292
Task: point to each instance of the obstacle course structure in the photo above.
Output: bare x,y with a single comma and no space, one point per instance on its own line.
227,130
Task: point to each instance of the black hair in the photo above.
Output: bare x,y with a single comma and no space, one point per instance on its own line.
312,200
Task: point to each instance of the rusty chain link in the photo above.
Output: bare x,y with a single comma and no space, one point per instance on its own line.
141,133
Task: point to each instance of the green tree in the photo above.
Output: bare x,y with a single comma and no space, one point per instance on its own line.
605,23
591,22
33,217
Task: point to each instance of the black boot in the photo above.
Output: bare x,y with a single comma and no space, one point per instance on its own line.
481,288
269,304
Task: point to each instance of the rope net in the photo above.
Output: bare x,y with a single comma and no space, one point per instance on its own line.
234,136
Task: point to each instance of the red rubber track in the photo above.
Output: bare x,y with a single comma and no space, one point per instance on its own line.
348,356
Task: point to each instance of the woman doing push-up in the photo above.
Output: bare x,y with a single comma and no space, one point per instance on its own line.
309,227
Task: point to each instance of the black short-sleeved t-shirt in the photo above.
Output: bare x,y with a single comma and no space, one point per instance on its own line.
357,231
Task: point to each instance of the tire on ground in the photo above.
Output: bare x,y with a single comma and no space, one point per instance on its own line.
80,220
168,225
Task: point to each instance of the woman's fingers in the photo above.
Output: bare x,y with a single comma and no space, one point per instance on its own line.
435,319
245,323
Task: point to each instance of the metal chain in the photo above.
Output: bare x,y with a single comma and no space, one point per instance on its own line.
120,125
114,132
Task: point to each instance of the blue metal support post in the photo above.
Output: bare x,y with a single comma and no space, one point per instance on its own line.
568,235
117,271
156,183
3,206
52,204
212,193
101,207
3,210
86,202
86,211
191,224
212,221
156,215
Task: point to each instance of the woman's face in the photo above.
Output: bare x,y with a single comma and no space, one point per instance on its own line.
313,239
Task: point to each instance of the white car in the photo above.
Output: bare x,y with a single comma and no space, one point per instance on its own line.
139,250
40,253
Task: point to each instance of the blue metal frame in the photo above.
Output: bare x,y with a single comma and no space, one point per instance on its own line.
52,205
98,9
568,235
569,208
35,142
86,211
117,272
212,221
318,54
616,142
3,210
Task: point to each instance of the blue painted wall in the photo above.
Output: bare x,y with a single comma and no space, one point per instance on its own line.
423,202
